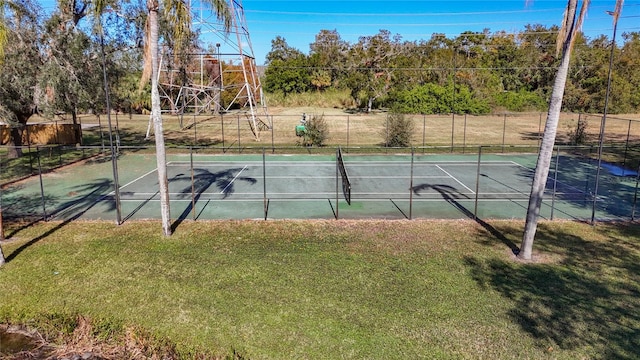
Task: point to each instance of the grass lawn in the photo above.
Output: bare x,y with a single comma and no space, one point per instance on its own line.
335,289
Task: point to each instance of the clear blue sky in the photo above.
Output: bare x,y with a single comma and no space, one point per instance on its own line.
299,21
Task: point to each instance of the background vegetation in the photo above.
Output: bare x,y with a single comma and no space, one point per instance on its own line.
472,73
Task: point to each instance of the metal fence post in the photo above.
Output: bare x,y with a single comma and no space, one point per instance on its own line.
273,146
626,147
195,130
424,132
337,213
539,129
635,196
555,182
264,184
239,146
222,125
44,206
464,135
504,131
475,210
411,187
348,130
453,125
193,185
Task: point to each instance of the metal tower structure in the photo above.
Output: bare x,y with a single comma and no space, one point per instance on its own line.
221,76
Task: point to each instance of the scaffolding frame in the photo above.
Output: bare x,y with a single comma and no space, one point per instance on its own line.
215,75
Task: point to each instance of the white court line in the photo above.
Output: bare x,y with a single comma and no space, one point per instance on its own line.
134,180
234,179
454,178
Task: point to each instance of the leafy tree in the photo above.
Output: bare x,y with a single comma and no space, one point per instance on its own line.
288,69
627,66
3,30
327,56
539,60
71,72
19,70
371,66
288,76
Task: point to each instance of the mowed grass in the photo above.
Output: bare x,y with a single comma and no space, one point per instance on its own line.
337,289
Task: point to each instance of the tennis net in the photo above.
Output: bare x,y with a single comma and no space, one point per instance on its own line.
346,183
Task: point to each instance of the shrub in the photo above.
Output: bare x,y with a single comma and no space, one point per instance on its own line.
317,131
521,101
398,131
578,132
436,99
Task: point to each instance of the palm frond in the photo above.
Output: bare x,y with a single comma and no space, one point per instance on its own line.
223,12
580,21
178,15
567,21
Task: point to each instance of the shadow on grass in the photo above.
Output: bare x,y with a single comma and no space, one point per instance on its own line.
588,300
451,195
70,210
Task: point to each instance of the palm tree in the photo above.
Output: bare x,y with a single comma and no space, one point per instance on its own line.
179,18
571,25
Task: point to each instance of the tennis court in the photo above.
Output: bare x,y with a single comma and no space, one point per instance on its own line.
271,186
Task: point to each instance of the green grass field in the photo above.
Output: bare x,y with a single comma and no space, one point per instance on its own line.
333,289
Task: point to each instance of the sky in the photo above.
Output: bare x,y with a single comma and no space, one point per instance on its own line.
299,21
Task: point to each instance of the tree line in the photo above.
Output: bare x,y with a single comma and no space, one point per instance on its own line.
473,73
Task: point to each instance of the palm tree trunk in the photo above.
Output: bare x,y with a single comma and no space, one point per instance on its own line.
161,158
548,141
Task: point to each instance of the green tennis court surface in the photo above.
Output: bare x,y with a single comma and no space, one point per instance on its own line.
312,186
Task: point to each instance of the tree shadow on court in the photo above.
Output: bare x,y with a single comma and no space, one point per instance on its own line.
203,179
582,294
574,184
451,195
68,211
